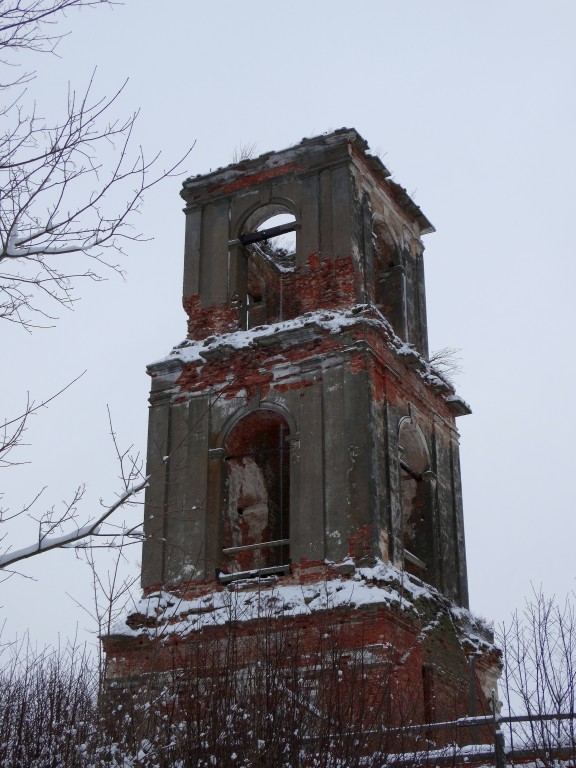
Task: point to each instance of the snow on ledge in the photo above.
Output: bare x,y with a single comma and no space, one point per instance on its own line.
192,351
162,613
334,321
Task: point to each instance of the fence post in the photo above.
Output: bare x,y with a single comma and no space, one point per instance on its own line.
499,751
472,696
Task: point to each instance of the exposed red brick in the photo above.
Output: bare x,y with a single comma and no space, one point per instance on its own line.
207,321
319,284
294,385
250,367
389,632
362,544
252,179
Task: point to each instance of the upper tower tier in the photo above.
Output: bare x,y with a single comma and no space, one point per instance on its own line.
339,213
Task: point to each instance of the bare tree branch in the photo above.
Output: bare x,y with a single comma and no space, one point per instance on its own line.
70,188
539,651
447,361
23,23
47,542
12,430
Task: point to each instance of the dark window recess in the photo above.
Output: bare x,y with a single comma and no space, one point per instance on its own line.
416,498
390,280
256,515
270,252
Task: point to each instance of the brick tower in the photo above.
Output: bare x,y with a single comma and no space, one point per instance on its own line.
301,446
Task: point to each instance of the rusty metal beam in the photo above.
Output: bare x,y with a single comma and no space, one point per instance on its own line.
266,234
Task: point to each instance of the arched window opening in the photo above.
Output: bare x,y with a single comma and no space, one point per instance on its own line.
390,279
416,499
384,246
256,515
269,240
272,229
282,246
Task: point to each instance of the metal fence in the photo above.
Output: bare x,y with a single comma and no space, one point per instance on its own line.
545,741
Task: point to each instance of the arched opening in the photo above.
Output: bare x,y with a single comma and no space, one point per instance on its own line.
390,279
416,498
256,515
269,239
282,246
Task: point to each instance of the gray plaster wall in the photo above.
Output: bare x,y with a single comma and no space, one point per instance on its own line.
402,284
213,266
195,488
308,240
416,322
445,555
192,252
342,243
450,559
332,490
346,449
308,522
344,476
323,202
155,496
176,526
380,483
390,457
446,564
458,515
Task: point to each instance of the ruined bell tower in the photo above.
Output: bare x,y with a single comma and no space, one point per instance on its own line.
299,434
303,421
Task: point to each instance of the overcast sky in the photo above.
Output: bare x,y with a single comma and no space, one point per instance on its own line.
472,107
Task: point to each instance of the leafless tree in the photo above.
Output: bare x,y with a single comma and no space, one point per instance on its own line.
448,362
281,698
60,528
69,189
244,151
26,24
539,654
48,706
12,430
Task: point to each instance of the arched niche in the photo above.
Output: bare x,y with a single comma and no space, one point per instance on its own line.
390,278
416,500
268,237
255,219
255,518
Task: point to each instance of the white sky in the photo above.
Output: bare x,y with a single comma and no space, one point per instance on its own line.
472,106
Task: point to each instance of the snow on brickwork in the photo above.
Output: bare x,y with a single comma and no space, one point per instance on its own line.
162,613
197,352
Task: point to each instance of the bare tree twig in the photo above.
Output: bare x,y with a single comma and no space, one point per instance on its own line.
12,430
70,188
47,542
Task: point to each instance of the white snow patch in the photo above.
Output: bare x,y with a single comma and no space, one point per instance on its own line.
381,584
333,321
190,351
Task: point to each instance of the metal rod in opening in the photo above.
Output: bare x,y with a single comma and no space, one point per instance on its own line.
252,547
